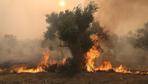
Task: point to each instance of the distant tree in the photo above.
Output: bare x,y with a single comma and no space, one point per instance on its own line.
140,38
73,28
8,43
10,40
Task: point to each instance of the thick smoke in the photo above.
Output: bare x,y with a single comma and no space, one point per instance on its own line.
124,52
25,19
120,18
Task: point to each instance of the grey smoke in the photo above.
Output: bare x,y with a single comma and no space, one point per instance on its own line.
14,51
120,18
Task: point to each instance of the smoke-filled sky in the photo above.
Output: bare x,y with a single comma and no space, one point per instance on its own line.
123,16
26,18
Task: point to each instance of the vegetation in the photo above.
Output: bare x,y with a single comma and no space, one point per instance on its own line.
140,39
74,28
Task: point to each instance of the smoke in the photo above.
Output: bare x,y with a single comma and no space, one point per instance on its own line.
24,22
122,16
14,51
119,18
125,53
26,18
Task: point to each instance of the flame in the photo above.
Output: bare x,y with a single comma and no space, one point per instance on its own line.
40,68
106,66
92,54
45,62
122,69
24,69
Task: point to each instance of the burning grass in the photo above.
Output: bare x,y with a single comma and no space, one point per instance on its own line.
46,64
94,53
41,67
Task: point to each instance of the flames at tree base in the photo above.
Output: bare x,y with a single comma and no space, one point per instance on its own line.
41,67
93,53
105,66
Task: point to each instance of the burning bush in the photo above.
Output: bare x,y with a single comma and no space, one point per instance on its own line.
74,28
71,27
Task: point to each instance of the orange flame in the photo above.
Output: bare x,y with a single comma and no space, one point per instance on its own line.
106,66
44,61
24,69
90,58
39,68
122,69
92,54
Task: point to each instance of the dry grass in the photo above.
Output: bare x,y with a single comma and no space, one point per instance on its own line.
83,78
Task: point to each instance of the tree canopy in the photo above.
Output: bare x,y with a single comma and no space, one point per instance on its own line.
74,28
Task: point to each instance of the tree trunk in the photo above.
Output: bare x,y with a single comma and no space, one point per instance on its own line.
78,60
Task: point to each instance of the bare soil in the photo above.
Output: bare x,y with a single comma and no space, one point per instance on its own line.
82,78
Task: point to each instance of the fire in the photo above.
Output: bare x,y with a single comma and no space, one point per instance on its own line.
122,69
40,68
92,54
45,62
106,66
25,69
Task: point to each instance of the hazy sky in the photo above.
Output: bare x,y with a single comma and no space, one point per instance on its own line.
26,18
122,16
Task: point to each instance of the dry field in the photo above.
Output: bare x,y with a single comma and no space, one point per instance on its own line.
82,78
